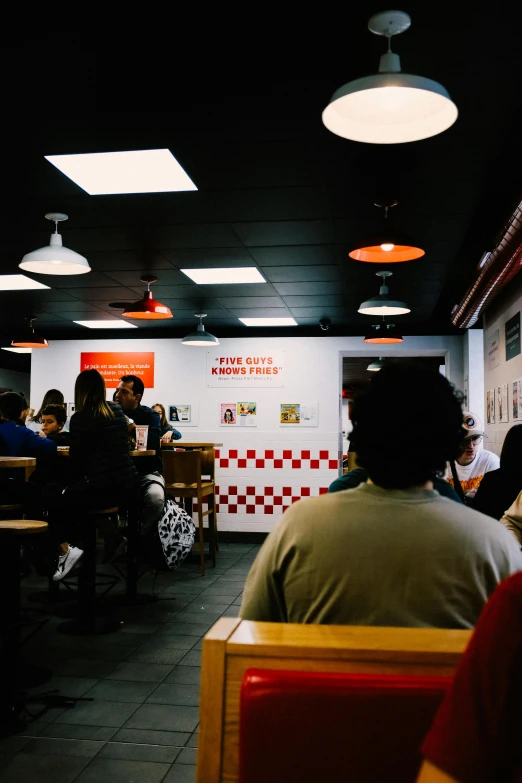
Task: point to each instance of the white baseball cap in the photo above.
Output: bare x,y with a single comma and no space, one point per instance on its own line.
471,424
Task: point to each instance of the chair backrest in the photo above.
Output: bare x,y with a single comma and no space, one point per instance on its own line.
233,646
310,726
182,467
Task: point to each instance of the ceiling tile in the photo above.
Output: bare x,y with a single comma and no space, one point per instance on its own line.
286,274
297,288
291,232
314,301
231,302
302,255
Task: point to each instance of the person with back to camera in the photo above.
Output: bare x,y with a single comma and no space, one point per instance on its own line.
101,473
390,552
167,431
473,461
499,488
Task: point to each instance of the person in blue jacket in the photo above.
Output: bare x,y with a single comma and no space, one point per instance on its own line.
16,440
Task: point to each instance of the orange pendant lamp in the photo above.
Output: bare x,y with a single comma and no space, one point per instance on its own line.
147,309
386,246
28,339
384,334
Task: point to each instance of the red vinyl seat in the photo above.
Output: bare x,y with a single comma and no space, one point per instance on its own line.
311,727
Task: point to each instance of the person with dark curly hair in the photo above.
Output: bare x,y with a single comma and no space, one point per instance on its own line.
392,551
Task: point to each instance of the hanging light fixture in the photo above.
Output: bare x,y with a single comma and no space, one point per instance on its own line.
200,337
387,246
377,365
54,258
28,339
390,107
382,304
384,334
146,309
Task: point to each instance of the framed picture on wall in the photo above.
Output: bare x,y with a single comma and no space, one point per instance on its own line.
183,414
298,414
516,399
227,414
246,413
490,406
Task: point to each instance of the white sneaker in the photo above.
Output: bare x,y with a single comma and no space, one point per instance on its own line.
67,562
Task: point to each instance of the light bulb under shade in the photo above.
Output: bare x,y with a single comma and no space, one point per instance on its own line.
383,306
55,259
147,309
386,339
29,341
390,108
200,339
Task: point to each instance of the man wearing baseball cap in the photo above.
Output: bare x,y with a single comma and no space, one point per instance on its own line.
474,461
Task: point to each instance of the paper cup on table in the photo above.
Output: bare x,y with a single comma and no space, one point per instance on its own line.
142,431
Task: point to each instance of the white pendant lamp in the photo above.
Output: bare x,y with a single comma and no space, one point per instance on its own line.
382,304
54,258
377,365
390,107
200,337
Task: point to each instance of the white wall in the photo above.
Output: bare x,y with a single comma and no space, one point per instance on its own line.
508,304
474,369
312,374
15,380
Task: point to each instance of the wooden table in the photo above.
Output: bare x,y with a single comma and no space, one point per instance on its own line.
29,463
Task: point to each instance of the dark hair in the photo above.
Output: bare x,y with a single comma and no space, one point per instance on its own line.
11,406
58,411
90,394
406,425
228,410
137,383
163,417
511,455
52,397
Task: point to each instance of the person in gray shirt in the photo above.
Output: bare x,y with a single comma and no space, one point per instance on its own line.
391,552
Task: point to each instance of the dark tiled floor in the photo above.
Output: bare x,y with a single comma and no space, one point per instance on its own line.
144,681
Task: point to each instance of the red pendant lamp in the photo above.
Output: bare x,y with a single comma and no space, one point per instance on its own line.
384,334
386,246
147,309
28,339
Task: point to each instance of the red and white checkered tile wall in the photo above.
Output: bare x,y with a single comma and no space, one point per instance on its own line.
285,476
277,458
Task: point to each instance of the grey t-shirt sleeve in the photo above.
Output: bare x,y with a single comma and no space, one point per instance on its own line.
263,596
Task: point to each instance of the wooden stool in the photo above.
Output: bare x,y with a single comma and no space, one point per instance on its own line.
182,473
86,622
11,533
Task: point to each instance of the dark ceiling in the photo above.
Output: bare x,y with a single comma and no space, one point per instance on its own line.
275,188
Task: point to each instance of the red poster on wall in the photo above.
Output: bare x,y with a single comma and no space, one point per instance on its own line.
113,365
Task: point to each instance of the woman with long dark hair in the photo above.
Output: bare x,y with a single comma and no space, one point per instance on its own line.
499,488
168,432
101,473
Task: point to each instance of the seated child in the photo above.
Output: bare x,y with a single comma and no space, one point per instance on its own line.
53,422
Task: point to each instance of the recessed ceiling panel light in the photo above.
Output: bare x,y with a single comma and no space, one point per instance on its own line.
106,324
134,171
268,321
18,350
237,274
19,283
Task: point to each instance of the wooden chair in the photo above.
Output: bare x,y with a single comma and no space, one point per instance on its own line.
233,646
182,471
